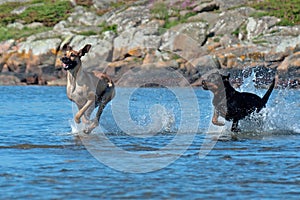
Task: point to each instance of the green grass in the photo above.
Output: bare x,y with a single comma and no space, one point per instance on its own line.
47,12
12,33
106,27
287,10
161,11
260,41
88,33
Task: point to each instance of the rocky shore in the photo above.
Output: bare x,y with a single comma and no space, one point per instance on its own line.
189,38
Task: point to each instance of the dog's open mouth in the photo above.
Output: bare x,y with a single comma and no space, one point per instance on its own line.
68,64
65,66
204,85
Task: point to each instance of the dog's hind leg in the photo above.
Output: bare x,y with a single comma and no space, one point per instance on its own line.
95,121
234,127
107,97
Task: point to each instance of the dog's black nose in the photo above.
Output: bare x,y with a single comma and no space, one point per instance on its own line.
65,59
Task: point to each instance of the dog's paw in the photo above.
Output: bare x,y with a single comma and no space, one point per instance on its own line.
91,127
77,119
235,130
217,123
87,131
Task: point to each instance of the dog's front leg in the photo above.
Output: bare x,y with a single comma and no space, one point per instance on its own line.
90,102
215,119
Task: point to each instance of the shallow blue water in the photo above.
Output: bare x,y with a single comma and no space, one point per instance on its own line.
148,146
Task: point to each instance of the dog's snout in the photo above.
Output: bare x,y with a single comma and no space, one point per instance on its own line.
64,59
203,82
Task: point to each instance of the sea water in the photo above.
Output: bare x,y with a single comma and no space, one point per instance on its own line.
151,143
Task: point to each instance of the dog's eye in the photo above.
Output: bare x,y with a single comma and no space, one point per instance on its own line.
73,55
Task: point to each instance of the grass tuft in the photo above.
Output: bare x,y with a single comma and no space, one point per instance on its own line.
287,10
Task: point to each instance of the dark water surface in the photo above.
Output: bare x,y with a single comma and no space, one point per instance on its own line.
139,151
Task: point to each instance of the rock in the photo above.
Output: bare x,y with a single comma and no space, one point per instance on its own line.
32,79
6,45
227,4
288,42
45,36
34,25
231,21
207,7
40,47
130,18
150,58
82,17
167,64
128,38
185,40
15,62
289,62
196,30
9,80
229,40
256,27
16,25
60,26
202,66
209,17
29,57
275,56
102,4
57,82
135,38
19,10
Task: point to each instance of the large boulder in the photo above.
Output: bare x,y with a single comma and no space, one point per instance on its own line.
134,39
7,79
290,63
40,47
185,40
259,26
133,16
231,21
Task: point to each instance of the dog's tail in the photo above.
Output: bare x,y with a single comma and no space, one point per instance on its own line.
268,93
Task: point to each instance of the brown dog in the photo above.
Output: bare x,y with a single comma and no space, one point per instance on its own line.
231,104
87,89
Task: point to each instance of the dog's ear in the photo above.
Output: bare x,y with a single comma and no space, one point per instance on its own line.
85,50
66,47
226,78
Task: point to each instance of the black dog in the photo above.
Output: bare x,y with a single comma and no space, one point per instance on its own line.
231,104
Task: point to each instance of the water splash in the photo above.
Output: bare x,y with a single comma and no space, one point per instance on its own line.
74,127
282,114
168,122
280,117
